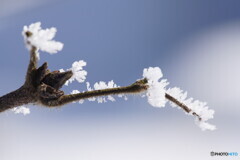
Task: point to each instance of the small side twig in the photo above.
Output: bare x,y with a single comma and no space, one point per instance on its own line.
182,105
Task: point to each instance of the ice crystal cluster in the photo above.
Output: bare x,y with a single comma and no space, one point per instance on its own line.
42,39
21,109
156,91
98,86
156,97
102,85
196,106
79,73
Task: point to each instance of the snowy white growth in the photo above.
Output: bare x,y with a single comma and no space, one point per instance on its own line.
123,96
205,126
156,97
98,86
156,91
102,85
196,106
41,39
61,70
178,94
78,73
37,54
76,92
153,74
90,89
21,109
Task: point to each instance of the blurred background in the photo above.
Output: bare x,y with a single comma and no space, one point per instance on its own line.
195,43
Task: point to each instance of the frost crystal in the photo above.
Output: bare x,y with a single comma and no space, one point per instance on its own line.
205,126
78,73
103,85
90,89
76,92
98,86
156,97
35,36
21,109
156,91
196,106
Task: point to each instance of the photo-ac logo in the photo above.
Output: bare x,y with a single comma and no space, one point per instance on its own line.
224,153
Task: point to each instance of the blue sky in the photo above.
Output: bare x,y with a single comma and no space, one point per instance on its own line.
195,43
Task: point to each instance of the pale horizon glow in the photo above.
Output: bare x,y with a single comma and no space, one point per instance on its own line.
215,55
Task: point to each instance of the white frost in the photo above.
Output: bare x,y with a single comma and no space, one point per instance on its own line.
79,73
156,91
42,39
196,106
98,86
205,126
21,109
156,97
103,85
76,92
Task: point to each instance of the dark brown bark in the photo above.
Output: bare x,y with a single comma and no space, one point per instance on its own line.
16,98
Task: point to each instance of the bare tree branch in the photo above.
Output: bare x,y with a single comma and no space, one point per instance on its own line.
137,87
43,87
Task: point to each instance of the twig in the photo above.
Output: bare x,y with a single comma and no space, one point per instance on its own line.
182,105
